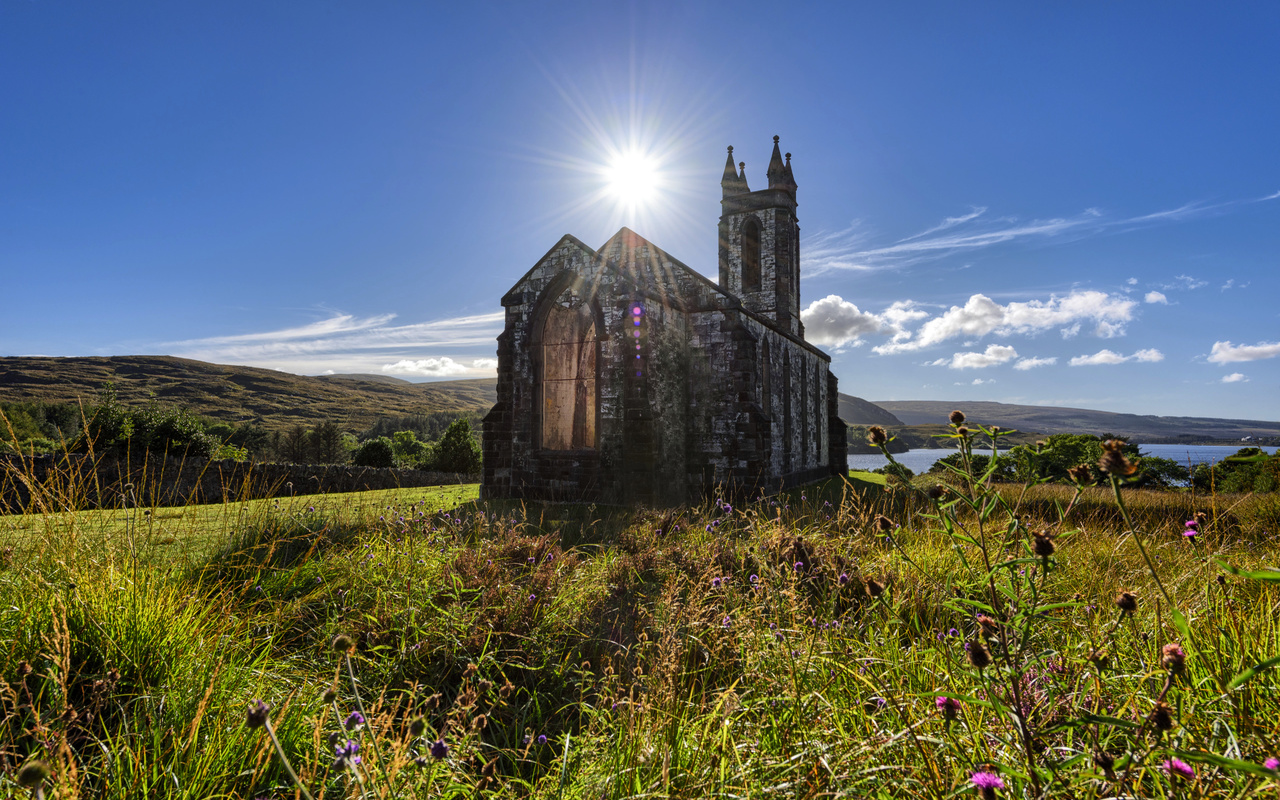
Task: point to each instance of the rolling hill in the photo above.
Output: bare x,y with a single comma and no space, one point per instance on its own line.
1052,419
239,395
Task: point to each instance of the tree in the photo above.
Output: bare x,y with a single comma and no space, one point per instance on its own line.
458,450
376,453
327,444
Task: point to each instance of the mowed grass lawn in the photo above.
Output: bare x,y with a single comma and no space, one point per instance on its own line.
838,640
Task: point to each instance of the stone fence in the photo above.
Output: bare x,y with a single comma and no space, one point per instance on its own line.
62,482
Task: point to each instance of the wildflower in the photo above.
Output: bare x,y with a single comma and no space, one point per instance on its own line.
989,626
1177,768
1272,763
844,579
948,707
1161,717
1113,461
799,565
542,738
1191,531
1173,659
257,716
963,431
345,755
1127,602
956,417
354,721
978,654
876,436
987,783
715,583
439,749
754,578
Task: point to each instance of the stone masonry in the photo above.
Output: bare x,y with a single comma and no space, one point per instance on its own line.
626,377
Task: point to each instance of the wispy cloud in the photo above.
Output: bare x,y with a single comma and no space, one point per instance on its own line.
345,343
1111,357
1235,377
1227,353
1031,363
854,247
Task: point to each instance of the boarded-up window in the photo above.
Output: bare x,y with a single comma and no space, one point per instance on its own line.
569,379
751,256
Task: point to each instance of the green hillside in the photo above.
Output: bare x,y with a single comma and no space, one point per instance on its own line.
237,395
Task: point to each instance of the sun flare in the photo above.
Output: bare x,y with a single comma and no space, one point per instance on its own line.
633,178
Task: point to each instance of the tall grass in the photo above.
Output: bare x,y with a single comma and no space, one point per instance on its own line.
820,643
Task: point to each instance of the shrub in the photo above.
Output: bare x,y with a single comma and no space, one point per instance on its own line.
376,453
458,450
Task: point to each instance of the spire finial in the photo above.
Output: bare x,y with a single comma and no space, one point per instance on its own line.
730,149
775,139
788,159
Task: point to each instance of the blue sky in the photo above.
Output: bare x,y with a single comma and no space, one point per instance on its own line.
1064,205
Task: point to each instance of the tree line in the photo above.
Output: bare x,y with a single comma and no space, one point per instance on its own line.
442,440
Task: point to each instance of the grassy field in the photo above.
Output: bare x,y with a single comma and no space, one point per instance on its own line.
830,642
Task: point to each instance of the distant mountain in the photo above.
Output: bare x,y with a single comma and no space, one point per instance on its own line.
856,411
1052,419
363,376
238,395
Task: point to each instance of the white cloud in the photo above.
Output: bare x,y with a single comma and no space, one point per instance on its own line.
994,354
1226,352
430,367
1112,357
1132,281
1156,297
1235,377
981,315
1032,363
485,363
835,321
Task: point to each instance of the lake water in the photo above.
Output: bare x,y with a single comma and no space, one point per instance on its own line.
919,461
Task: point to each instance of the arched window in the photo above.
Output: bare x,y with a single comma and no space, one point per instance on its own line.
751,256
569,377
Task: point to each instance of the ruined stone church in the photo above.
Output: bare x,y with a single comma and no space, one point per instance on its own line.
626,377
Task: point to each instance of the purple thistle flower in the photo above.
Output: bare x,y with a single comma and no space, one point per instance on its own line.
439,749
715,583
1272,763
542,738
1176,767
355,720
345,755
844,578
987,780
799,565
949,707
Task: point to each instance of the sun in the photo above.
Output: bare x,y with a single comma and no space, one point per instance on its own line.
633,178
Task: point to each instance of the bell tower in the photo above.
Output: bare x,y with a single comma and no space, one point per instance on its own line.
760,241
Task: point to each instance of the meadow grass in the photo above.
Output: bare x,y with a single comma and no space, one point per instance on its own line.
825,642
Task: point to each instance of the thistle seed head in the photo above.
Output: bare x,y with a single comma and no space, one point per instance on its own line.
978,654
1043,545
1173,658
1113,461
342,644
876,436
257,715
1161,717
956,418
1127,602
32,776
